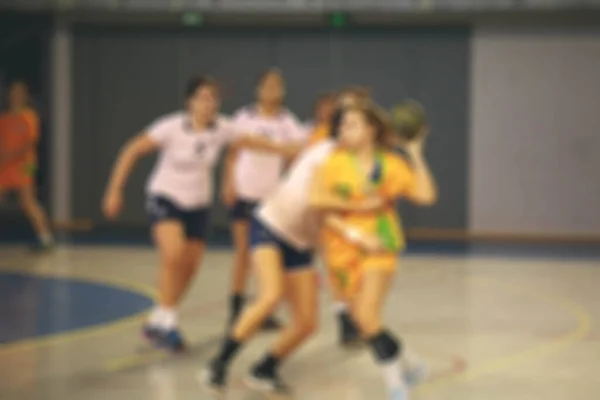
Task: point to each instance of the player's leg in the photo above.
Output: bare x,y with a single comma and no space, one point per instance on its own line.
367,309
168,231
34,212
241,215
302,294
191,260
241,259
196,227
269,272
170,335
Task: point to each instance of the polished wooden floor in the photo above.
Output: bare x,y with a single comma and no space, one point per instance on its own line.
490,327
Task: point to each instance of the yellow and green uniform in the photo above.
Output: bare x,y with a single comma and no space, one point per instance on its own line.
390,179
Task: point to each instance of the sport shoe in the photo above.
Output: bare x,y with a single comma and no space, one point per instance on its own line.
267,381
399,394
213,378
414,370
150,333
171,340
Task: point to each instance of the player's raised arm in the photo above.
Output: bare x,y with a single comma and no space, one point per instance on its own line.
409,121
424,190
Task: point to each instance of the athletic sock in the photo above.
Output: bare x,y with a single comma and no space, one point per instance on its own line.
237,304
386,350
347,322
347,326
155,317
168,320
229,349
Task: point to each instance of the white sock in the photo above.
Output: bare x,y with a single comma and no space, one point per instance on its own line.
155,316
168,319
392,375
339,307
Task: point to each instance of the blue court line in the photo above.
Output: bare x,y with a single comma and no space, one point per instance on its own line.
34,307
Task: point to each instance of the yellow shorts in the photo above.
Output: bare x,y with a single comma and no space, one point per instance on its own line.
345,280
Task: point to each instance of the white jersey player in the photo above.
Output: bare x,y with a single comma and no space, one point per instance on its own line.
250,175
180,192
282,235
287,213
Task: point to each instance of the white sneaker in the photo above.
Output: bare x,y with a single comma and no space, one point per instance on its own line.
414,370
399,394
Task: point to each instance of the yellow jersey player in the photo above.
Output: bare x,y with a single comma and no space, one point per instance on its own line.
361,249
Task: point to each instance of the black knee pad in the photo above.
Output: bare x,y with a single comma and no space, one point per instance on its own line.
385,346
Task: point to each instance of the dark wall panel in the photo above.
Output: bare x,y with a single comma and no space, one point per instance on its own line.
235,59
124,79
305,59
130,82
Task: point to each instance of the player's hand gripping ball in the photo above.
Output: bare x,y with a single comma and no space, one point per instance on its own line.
408,119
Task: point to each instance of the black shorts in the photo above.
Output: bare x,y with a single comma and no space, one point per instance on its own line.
243,209
195,221
293,259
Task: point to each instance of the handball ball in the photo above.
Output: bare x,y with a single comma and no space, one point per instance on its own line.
408,118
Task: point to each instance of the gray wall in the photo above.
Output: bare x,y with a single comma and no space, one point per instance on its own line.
535,128
124,79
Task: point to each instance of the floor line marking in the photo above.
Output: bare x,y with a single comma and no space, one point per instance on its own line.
530,353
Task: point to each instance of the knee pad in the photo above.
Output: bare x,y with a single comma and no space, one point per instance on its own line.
385,346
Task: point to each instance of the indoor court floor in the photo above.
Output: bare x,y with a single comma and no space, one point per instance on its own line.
490,327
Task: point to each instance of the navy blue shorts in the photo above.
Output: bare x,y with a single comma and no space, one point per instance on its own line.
195,221
293,259
243,209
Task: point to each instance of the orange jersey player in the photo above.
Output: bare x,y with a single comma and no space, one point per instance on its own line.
19,133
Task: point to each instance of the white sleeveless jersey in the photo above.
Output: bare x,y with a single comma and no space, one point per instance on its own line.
256,174
286,211
185,168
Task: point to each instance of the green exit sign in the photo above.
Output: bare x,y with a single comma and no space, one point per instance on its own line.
192,19
338,20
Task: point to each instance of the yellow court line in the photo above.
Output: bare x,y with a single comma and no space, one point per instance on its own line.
578,333
81,333
136,360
